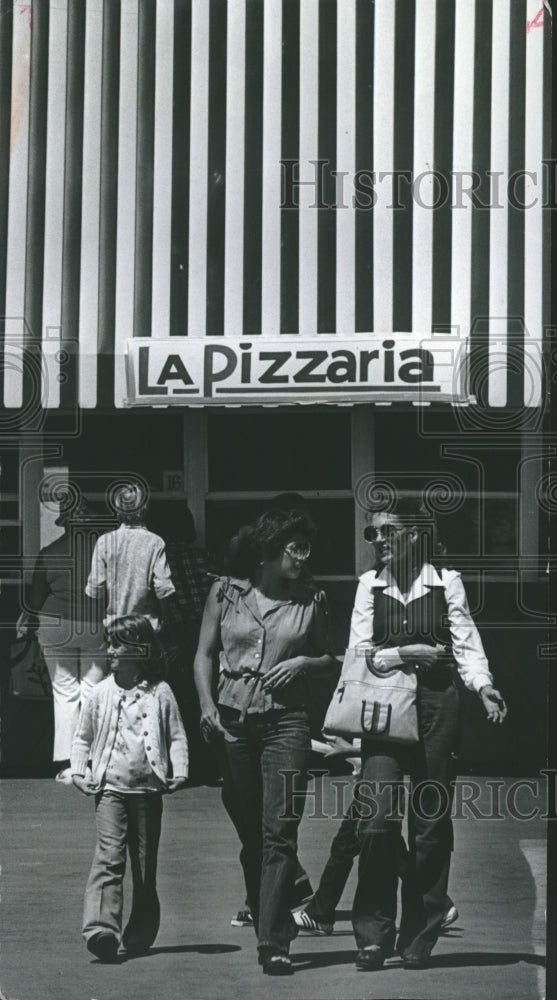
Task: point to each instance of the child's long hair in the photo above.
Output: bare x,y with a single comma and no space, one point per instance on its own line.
137,632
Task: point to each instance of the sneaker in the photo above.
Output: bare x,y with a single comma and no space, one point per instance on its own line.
450,917
243,918
306,923
64,776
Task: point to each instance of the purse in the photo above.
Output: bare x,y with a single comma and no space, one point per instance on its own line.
369,704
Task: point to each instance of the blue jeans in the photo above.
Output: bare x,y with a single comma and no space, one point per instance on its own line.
266,806
424,887
131,822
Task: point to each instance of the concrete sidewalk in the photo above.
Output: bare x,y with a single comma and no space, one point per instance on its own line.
495,950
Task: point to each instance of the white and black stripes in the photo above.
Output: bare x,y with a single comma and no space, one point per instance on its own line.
234,167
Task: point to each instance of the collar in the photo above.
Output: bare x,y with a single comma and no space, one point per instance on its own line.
427,578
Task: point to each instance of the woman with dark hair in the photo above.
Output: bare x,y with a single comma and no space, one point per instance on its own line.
269,629
409,613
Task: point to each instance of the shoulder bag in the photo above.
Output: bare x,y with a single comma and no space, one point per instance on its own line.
369,704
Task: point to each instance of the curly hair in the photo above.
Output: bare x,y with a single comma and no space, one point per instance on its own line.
266,538
137,632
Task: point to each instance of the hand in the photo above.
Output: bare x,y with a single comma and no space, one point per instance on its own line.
85,785
422,654
174,784
210,724
493,703
25,623
283,673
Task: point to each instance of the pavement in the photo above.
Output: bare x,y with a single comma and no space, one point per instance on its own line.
495,950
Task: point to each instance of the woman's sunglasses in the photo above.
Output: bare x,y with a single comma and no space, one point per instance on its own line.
298,552
386,532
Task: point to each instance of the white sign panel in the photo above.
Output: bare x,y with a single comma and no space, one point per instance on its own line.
185,371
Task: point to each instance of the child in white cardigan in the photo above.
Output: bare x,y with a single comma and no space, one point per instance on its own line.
130,728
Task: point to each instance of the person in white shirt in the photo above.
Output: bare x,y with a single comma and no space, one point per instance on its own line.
129,569
408,613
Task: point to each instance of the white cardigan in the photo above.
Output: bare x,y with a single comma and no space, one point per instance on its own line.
97,728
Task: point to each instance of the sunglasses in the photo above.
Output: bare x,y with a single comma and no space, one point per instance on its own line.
386,532
298,552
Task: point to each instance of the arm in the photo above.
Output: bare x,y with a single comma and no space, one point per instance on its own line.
468,650
361,634
177,742
321,659
361,630
161,578
96,584
81,748
203,666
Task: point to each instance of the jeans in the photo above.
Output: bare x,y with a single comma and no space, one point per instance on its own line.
424,887
266,807
132,821
344,848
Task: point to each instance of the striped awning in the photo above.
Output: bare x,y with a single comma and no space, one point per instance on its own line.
244,168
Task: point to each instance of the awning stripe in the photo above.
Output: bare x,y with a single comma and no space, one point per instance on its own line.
403,160
146,192
290,129
180,167
90,285
421,260
55,133
309,138
383,114
235,144
363,266
443,132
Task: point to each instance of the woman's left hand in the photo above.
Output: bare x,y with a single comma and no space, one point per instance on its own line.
493,703
283,673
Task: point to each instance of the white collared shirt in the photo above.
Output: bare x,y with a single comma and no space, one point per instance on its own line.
467,646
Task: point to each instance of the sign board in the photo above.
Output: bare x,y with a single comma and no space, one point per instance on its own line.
361,368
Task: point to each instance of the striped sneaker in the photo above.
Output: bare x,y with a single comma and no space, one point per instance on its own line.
243,918
306,923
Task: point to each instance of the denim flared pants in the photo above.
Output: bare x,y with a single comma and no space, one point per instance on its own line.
125,823
264,764
424,888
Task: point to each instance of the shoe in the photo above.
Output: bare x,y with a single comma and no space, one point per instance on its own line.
307,923
450,917
413,962
64,776
104,945
277,965
302,893
243,918
370,958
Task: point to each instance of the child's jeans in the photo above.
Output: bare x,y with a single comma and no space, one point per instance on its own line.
132,821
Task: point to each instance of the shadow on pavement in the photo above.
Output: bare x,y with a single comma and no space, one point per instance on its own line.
304,962
180,949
